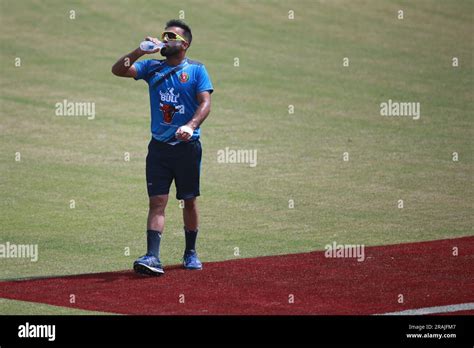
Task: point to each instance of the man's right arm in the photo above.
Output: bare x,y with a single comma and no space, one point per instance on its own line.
124,66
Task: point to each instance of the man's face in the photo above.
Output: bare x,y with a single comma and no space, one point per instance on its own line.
175,47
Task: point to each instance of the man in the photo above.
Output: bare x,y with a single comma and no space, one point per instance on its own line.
180,99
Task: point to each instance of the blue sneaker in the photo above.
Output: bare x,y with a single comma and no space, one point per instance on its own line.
191,261
148,265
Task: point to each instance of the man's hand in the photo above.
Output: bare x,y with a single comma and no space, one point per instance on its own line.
184,133
155,41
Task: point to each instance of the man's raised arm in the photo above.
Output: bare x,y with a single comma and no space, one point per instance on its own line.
124,66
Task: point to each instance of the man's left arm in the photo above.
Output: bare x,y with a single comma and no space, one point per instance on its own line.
203,110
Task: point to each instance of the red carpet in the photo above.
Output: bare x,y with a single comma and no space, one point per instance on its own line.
426,274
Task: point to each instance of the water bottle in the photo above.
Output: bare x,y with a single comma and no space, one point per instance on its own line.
148,46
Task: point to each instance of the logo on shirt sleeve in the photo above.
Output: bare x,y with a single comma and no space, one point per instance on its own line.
184,77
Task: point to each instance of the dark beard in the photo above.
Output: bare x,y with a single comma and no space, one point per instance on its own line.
169,51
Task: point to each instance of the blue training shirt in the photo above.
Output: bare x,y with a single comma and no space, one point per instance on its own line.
174,101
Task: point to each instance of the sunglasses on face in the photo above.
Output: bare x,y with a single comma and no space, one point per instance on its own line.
170,36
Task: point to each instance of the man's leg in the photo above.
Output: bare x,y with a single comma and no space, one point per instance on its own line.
188,170
190,214
158,178
155,223
156,213
190,218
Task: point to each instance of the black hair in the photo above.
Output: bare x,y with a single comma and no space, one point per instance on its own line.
180,24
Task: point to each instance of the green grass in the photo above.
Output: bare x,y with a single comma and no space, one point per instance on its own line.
282,62
12,307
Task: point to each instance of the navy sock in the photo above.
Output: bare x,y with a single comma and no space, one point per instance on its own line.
153,239
190,237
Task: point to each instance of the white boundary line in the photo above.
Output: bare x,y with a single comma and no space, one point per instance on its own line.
434,310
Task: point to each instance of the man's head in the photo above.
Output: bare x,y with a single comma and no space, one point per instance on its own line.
176,46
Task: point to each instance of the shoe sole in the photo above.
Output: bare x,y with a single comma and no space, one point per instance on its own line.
141,268
192,268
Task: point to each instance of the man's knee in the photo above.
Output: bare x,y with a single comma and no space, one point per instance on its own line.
158,203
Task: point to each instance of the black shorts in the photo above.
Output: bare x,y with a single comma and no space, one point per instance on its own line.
181,162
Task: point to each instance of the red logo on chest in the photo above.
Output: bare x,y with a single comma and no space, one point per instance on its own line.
168,112
183,77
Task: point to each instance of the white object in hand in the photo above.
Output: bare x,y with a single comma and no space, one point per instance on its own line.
187,129
148,46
